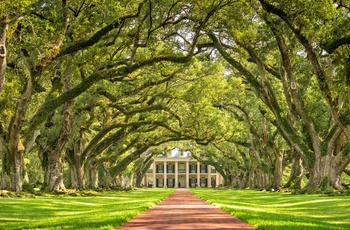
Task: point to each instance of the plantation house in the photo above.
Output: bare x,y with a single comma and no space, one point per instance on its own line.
179,170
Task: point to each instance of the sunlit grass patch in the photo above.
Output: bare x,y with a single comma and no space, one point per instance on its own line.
272,211
104,210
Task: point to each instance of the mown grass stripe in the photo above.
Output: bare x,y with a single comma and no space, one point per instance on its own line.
275,211
104,210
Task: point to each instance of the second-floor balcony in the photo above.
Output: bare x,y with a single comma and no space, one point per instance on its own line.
162,171
192,169
182,171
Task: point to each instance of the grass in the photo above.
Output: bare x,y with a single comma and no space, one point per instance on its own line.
98,210
275,211
108,210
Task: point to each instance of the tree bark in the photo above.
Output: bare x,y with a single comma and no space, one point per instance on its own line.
278,172
77,171
55,166
228,179
3,54
296,174
139,179
326,174
12,170
77,174
73,175
54,172
252,176
12,173
106,179
91,176
94,177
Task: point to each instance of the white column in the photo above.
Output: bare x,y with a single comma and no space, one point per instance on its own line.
209,176
176,174
187,174
165,175
218,179
154,175
198,174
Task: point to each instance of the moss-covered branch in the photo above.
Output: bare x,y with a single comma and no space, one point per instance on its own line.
122,71
80,45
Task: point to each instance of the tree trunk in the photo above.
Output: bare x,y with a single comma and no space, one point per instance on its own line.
278,172
73,175
237,181
13,155
227,177
252,169
53,162
326,174
260,178
243,180
296,174
228,180
25,171
80,174
139,180
87,177
106,177
91,177
3,53
251,177
77,169
28,148
94,177
77,165
54,173
12,171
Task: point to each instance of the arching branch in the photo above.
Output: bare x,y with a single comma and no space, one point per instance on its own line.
122,71
332,46
99,34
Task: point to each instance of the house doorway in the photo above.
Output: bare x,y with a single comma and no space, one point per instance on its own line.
182,182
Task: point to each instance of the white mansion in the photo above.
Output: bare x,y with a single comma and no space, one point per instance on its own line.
179,170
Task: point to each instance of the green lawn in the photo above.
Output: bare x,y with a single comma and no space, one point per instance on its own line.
276,211
102,210
108,210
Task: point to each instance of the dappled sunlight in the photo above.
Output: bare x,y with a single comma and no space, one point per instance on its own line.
3,220
105,211
271,210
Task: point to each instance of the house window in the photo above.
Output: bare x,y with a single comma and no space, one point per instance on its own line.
182,168
171,168
193,168
160,169
204,169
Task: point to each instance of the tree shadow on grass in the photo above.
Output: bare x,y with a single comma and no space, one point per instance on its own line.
291,221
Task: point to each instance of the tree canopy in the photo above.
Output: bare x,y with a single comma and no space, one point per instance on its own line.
260,89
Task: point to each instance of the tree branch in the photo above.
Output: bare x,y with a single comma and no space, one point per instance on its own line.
50,105
330,47
99,34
